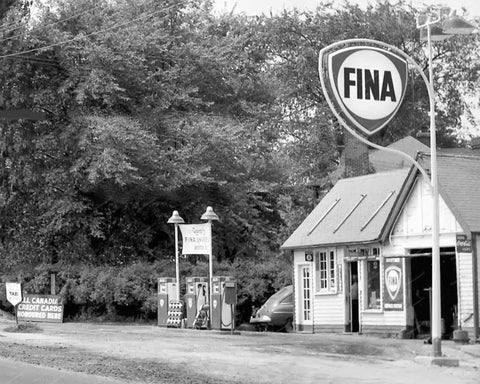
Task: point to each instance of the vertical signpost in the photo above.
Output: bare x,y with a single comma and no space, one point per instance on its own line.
14,296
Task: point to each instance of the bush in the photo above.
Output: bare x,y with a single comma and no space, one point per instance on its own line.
130,292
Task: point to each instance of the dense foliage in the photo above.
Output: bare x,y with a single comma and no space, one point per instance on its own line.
155,105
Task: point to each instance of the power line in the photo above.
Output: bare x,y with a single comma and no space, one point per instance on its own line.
49,25
36,60
92,33
5,27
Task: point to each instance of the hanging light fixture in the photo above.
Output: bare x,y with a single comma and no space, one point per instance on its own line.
209,214
175,219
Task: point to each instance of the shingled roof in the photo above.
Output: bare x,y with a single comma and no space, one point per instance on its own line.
383,161
356,210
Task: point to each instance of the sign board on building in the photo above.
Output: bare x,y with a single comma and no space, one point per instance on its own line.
196,239
464,244
44,308
393,284
14,293
309,256
365,84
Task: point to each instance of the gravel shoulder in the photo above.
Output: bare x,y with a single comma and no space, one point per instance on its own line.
150,354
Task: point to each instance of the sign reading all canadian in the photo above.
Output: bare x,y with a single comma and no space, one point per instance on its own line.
365,84
45,308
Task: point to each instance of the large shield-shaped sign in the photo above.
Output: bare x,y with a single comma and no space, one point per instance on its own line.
366,84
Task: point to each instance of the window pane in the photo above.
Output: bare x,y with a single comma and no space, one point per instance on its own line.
323,270
373,284
332,270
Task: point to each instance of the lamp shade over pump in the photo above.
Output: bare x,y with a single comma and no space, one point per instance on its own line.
175,219
209,214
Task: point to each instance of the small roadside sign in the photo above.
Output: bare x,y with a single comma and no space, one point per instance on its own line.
14,293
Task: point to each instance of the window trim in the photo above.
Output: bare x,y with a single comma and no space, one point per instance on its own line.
330,272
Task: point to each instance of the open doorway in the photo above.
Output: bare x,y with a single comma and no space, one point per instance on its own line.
352,297
421,269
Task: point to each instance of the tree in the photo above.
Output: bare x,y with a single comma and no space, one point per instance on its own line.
160,105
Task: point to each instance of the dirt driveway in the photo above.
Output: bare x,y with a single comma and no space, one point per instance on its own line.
149,354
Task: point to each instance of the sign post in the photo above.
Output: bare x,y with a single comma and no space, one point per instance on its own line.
14,296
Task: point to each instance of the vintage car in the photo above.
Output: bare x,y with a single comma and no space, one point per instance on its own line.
276,313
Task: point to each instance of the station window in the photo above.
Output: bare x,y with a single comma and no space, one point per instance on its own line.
373,284
325,271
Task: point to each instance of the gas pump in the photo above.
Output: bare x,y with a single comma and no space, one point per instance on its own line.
167,290
195,297
221,317
230,298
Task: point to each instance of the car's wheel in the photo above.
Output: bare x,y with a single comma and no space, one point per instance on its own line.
289,326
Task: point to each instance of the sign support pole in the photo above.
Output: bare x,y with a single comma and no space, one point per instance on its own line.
436,317
210,276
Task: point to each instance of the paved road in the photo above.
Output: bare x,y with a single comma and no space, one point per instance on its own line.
14,372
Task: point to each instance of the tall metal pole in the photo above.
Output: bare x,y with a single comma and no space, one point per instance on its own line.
210,275
176,219
209,216
177,263
436,331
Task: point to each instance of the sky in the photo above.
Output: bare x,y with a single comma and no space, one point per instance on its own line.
253,7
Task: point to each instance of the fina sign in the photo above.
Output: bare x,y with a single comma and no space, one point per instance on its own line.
367,83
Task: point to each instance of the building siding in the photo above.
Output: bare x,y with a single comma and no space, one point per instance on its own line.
415,220
329,309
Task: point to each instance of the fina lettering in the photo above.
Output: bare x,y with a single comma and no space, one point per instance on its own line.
368,84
